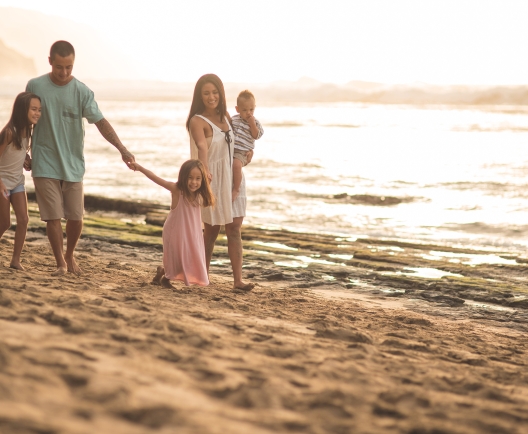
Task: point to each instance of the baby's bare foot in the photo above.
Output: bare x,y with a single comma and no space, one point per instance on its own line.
73,267
160,272
17,266
61,271
165,283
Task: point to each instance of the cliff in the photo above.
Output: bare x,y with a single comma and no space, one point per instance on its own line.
13,64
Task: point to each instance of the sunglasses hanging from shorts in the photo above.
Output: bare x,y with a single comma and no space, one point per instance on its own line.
228,140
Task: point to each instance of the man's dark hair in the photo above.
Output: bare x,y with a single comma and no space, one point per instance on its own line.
62,48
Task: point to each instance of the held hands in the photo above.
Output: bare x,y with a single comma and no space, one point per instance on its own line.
27,163
134,166
128,158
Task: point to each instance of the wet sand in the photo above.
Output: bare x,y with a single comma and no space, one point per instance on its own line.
362,342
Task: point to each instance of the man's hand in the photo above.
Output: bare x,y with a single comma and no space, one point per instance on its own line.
27,163
128,158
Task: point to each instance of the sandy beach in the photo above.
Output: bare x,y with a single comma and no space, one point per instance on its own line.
352,341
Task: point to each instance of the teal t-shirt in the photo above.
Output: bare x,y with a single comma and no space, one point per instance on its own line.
58,138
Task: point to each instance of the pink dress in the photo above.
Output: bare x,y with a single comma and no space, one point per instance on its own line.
183,245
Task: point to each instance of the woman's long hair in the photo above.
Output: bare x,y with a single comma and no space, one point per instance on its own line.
197,105
19,121
205,192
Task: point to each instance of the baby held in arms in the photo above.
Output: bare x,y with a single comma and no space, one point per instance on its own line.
247,129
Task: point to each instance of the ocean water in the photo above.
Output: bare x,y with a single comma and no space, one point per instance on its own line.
462,171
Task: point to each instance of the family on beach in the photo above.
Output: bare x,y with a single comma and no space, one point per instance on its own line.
45,134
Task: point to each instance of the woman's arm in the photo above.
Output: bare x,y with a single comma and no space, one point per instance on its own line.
171,186
198,135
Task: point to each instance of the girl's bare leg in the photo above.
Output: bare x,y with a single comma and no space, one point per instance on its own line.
5,214
210,235
19,202
234,249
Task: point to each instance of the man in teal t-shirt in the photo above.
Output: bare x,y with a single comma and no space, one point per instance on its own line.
58,151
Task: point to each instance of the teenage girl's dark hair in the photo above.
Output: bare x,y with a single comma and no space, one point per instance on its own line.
19,122
207,197
197,105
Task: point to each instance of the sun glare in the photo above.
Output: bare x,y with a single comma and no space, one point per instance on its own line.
467,42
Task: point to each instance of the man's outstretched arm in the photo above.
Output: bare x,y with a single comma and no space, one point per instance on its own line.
108,132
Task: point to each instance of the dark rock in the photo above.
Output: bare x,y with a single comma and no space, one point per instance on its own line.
450,301
274,276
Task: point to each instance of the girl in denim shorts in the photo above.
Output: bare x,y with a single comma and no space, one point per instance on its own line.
15,139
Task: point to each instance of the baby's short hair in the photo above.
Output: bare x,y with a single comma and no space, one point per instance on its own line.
245,94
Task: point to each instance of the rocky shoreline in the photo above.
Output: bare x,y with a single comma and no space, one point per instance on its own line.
391,268
340,335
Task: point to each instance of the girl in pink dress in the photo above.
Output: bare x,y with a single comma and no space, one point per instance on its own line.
183,245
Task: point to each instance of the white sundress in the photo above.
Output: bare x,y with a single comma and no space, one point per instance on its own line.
220,162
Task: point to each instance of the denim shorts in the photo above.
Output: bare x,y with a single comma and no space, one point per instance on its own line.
18,189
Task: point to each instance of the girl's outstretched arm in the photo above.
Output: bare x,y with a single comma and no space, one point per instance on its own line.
171,186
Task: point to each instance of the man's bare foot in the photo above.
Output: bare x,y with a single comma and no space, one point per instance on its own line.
160,272
244,286
234,194
73,267
165,283
17,266
61,271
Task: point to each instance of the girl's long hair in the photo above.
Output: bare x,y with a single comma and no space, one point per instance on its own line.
204,192
197,105
19,121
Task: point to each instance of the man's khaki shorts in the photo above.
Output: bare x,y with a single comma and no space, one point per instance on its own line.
241,155
59,199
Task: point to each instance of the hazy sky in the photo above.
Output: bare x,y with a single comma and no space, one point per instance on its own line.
395,41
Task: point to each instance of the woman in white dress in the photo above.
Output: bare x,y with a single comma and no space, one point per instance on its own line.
212,142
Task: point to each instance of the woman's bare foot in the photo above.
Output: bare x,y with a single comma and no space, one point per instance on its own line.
165,283
60,271
72,266
160,272
17,266
244,286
